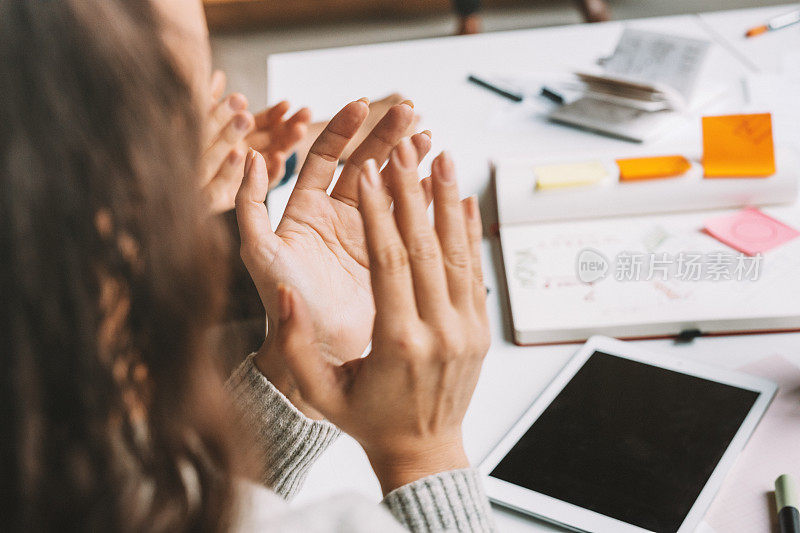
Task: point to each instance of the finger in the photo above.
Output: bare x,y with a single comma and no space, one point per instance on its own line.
259,243
323,157
377,145
427,188
284,138
224,111
388,260
272,115
422,144
302,117
424,253
475,235
218,82
452,231
231,135
221,191
276,167
293,130
318,380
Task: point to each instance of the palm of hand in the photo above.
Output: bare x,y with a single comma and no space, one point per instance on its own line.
323,256
319,247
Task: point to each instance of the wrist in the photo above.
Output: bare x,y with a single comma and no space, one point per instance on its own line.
270,363
397,468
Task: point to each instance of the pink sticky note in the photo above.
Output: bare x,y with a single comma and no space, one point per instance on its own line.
750,231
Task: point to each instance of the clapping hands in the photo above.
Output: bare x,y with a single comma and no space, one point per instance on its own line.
230,129
404,402
319,247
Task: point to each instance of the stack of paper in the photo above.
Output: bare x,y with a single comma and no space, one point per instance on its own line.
649,78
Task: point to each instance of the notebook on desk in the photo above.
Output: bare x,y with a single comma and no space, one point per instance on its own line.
642,88
631,260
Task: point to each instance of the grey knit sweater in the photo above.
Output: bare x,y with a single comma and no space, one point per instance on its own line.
289,443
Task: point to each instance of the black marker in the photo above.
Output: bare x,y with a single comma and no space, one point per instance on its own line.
495,89
553,96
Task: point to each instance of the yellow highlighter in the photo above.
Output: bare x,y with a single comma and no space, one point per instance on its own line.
647,168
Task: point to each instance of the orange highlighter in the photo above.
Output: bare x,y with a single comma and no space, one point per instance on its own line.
647,168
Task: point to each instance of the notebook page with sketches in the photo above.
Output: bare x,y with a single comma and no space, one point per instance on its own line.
648,296
745,503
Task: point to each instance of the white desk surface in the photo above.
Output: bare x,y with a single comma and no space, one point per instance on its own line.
476,125
765,52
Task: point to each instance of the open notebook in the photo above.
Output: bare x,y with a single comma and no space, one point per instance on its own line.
642,87
574,269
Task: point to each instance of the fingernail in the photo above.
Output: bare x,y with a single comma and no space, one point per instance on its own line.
241,123
248,162
285,301
237,102
428,133
363,99
404,154
409,103
370,172
444,170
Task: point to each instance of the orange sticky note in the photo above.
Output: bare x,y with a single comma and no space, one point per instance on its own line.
645,168
738,146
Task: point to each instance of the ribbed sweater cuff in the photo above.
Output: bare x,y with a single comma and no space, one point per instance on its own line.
449,501
288,441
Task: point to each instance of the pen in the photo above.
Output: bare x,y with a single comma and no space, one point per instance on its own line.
495,89
781,21
786,502
553,96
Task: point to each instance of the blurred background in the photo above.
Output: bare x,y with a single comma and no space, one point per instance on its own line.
244,32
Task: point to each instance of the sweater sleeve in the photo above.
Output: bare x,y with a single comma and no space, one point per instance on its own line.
287,441
451,501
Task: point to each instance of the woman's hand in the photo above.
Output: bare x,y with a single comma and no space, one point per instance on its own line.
275,137
231,129
319,246
221,164
405,401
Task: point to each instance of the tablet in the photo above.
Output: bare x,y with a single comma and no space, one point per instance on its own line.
624,440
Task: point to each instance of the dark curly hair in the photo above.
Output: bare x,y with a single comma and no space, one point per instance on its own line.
110,276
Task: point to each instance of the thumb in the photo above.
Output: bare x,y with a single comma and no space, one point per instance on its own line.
255,228
317,379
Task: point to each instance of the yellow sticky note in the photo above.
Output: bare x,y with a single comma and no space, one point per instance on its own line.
645,168
569,174
738,146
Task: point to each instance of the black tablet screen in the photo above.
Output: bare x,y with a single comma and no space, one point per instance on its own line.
629,440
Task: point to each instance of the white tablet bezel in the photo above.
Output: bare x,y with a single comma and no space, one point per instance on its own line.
575,517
